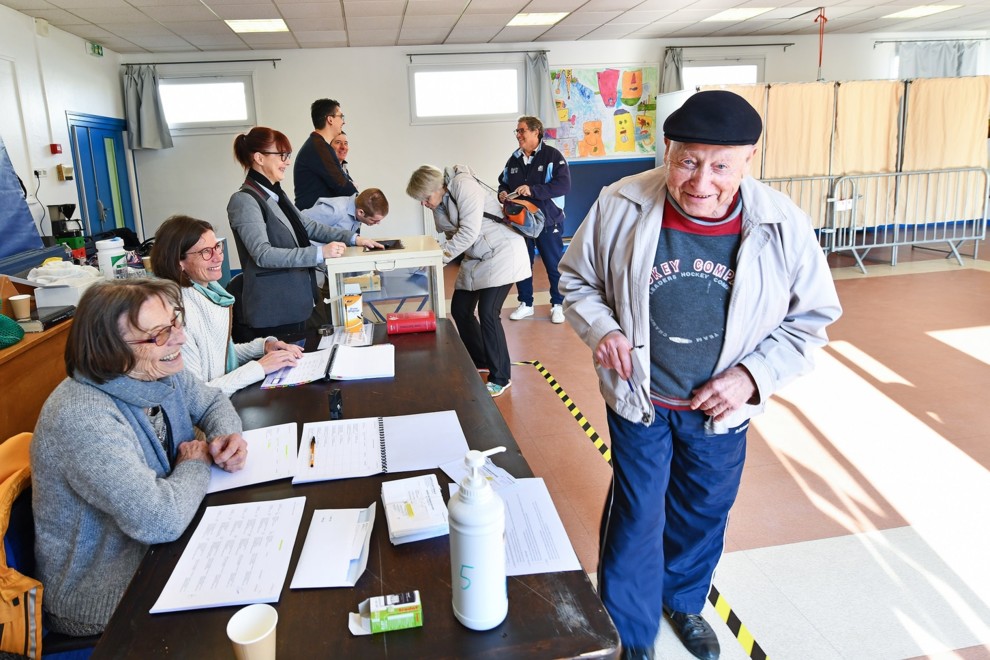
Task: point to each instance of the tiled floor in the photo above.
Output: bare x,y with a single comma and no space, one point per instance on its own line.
862,526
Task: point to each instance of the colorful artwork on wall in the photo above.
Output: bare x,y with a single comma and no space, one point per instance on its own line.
605,112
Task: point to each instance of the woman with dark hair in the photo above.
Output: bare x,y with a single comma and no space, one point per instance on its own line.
116,466
273,239
188,252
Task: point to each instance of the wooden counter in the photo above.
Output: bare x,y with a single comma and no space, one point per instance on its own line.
29,371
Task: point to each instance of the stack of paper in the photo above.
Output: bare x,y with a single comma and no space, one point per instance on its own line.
359,362
414,509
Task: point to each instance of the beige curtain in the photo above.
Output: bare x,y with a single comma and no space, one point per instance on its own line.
946,123
799,131
866,126
757,97
946,127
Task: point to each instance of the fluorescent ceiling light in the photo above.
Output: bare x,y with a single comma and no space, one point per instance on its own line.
258,25
546,18
922,10
738,14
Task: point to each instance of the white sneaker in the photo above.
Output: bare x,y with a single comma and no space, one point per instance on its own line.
556,314
522,312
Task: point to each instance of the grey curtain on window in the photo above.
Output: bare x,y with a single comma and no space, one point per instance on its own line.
937,59
146,125
670,78
539,93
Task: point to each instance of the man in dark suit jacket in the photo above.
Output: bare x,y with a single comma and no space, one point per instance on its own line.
317,171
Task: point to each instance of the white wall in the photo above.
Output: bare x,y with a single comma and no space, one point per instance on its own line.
51,75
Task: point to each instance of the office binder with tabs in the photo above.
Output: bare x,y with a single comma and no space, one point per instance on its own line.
359,362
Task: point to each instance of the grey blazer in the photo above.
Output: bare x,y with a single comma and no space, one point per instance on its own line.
279,282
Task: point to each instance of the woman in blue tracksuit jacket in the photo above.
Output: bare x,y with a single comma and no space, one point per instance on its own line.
539,173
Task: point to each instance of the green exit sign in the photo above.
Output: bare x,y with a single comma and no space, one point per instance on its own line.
96,50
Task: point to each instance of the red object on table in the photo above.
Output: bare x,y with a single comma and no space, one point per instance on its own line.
402,322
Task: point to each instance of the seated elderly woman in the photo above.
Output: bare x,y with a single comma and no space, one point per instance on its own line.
115,462
188,252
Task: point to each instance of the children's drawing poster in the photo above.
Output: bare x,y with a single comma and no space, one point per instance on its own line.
605,112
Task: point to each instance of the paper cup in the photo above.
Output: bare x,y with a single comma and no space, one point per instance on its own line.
21,306
146,262
252,632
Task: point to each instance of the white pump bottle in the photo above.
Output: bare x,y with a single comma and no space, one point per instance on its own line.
477,548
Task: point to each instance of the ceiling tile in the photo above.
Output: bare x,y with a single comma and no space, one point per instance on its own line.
91,32
541,6
322,36
107,14
21,5
355,8
131,30
370,23
495,6
315,24
275,39
589,17
485,20
372,37
521,34
156,43
188,29
57,17
215,41
434,7
155,3
441,23
464,35
608,5
72,4
565,32
422,37
246,12
308,9
179,13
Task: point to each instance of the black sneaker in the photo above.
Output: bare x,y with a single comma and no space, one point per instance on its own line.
695,634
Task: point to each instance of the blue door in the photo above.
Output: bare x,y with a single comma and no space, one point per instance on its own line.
101,172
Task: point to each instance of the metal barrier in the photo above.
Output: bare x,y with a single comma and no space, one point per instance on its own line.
909,208
856,213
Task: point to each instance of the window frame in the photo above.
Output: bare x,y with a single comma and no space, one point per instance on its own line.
214,126
699,61
518,64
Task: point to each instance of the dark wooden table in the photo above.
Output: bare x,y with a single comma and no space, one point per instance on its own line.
552,615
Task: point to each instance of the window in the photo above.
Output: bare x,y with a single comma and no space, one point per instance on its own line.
699,72
207,104
466,92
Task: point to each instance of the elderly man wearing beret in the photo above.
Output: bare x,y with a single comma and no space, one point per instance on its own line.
700,291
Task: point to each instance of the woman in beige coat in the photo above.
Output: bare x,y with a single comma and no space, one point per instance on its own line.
493,259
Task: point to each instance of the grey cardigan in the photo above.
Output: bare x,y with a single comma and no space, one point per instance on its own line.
278,273
102,492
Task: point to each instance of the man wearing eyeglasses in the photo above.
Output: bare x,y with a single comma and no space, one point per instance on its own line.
317,171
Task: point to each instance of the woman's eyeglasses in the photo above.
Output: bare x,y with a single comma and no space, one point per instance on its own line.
160,338
207,253
284,155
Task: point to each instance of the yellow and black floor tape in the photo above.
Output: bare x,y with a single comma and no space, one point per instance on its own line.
741,633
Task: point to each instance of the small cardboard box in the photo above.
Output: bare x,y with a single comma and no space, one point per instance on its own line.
396,612
371,281
353,308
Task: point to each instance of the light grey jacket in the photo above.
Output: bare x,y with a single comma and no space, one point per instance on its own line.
102,493
494,254
278,285
782,296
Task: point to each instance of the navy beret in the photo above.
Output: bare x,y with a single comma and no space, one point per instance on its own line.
714,117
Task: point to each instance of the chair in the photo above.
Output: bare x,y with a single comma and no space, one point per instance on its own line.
18,545
239,330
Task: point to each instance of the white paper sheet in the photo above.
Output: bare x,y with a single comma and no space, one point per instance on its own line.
341,336
271,456
310,367
535,539
360,362
347,448
336,550
238,555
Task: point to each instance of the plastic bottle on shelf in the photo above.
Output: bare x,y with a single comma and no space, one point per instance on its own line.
112,258
477,548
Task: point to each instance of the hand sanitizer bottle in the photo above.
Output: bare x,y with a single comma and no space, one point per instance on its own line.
477,548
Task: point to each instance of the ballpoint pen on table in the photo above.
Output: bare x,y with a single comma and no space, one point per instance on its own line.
312,452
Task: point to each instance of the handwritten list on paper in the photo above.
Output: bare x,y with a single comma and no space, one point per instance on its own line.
341,449
239,554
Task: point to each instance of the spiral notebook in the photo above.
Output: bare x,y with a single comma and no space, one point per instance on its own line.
345,448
